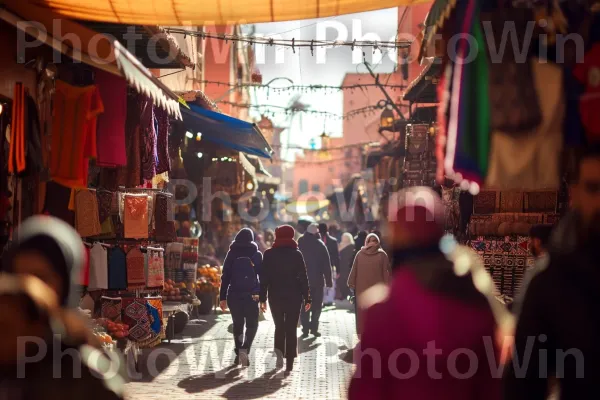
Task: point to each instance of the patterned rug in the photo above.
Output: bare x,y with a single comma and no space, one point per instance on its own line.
111,308
511,201
486,202
135,314
541,201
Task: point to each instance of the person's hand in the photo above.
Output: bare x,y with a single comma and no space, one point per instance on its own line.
307,307
255,297
223,305
263,306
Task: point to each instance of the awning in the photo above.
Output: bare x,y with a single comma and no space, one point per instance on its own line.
260,168
191,12
227,131
108,55
438,14
423,89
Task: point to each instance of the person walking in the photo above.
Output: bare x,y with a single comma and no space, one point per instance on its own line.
430,315
240,289
371,267
318,267
334,256
346,249
284,284
560,308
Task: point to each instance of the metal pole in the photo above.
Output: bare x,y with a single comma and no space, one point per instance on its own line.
385,93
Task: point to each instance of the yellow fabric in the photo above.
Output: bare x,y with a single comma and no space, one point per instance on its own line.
219,12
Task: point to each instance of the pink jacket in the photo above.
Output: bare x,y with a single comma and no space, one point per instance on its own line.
399,331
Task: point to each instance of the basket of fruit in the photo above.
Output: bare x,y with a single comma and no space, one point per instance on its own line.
114,329
179,292
207,287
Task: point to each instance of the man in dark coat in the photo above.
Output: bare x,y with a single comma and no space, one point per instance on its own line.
318,268
559,324
334,257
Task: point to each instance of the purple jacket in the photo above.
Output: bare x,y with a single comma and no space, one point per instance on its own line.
399,332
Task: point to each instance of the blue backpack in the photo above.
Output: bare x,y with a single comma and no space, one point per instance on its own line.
243,276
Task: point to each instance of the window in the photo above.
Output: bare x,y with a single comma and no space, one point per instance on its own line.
316,187
303,186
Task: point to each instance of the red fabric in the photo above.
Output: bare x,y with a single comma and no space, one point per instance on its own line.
588,73
284,237
110,134
419,318
85,272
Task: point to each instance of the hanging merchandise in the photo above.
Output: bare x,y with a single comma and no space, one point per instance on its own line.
85,271
173,263
136,278
135,215
155,268
189,258
98,268
111,124
111,308
131,175
117,269
164,228
105,202
537,163
74,133
155,317
147,138
86,213
135,315
588,74
25,153
163,123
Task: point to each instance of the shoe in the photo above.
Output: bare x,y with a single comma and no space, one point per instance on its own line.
316,334
289,365
236,360
279,363
244,359
304,335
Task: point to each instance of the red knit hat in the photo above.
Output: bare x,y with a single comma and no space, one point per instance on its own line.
284,237
417,217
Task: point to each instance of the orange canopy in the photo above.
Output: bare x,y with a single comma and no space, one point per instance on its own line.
218,12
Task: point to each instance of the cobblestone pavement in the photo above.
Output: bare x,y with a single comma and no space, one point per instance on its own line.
198,365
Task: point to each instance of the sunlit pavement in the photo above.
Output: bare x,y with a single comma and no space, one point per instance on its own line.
198,365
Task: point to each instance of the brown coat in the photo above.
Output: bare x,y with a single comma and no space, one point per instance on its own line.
371,266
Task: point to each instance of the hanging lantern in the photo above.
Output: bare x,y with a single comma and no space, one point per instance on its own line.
386,121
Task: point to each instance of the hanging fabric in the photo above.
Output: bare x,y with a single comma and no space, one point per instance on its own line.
86,213
537,163
135,314
131,175
155,267
117,269
111,124
111,308
135,215
136,278
98,268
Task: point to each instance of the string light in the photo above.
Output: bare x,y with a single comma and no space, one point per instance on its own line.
293,43
300,88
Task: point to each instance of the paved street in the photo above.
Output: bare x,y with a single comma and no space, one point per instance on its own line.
199,364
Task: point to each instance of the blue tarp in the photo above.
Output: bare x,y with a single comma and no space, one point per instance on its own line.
227,131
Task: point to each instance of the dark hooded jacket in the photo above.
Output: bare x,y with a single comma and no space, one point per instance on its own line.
242,246
561,303
316,257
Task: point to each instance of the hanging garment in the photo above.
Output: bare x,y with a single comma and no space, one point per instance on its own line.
155,318
155,272
131,175
164,229
117,269
135,314
136,278
111,308
74,133
537,163
173,261
135,216
98,267
86,213
162,144
85,271
588,74
111,124
56,202
25,150
147,139
105,199
151,205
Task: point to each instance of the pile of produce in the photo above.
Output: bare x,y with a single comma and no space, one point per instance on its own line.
179,292
114,329
209,279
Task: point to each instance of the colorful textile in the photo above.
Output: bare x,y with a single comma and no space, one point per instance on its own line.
104,198
155,320
111,124
588,74
147,139
546,201
85,271
162,143
135,216
98,268
87,222
511,202
117,269
135,314
131,175
74,132
486,202
155,272
164,229
136,278
111,308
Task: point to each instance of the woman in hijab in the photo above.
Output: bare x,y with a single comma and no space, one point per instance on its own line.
240,296
38,280
346,259
284,283
371,267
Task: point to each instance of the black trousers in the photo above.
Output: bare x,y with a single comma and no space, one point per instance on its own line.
244,311
310,319
285,315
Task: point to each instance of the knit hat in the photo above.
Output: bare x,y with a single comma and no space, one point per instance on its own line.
418,219
313,229
284,237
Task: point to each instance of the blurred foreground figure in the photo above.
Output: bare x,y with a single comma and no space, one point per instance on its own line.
559,323
433,336
46,350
